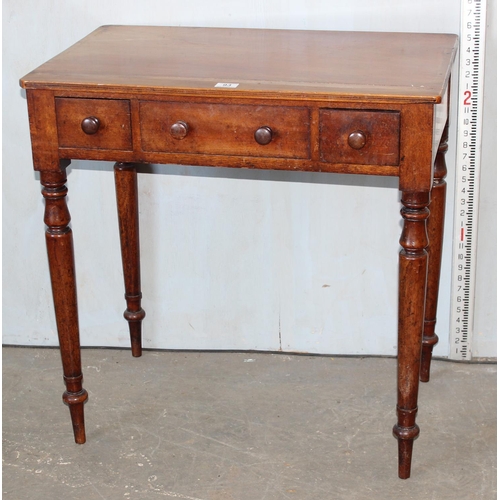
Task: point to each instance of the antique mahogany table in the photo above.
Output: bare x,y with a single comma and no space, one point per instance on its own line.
340,102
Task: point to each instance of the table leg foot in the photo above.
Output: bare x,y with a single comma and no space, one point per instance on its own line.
75,401
127,200
134,314
429,341
405,435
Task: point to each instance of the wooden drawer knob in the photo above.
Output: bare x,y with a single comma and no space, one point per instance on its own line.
264,135
91,125
357,140
179,130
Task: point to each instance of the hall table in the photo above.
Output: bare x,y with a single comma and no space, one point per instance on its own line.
318,101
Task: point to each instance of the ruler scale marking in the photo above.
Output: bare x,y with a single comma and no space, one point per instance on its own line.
471,78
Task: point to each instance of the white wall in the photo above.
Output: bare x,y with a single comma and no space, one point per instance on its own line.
231,259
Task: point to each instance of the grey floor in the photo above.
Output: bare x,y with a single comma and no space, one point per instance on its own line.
238,426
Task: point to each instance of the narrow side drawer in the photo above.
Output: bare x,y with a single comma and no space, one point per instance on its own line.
113,123
359,137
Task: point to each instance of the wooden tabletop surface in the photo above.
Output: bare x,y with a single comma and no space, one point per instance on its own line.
285,63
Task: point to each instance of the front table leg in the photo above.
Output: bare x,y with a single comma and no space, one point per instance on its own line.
62,273
412,288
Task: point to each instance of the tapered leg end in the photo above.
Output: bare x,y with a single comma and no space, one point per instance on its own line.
428,343
405,437
134,319
75,401
136,339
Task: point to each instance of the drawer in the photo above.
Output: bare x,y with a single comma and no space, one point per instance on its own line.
359,137
94,123
225,129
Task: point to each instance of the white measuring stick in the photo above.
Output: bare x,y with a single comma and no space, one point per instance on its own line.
471,81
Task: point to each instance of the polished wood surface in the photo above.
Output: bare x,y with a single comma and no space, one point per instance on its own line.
358,103
351,65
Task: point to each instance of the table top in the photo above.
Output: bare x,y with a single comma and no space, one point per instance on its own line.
338,65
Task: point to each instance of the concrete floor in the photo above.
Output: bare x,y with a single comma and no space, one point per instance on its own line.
242,426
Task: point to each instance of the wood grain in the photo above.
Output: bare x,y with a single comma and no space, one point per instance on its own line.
344,102
379,128
225,129
347,65
113,115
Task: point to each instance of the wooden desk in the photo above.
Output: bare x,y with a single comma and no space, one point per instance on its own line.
358,103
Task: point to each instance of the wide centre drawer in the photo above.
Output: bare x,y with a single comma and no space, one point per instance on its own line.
225,129
94,123
362,137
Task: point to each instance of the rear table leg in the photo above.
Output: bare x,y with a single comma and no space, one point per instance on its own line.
128,218
435,228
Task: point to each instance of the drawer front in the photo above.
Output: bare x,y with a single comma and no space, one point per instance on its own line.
359,137
225,129
94,123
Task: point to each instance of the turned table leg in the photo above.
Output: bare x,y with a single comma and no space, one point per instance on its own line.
127,200
435,228
412,287
62,273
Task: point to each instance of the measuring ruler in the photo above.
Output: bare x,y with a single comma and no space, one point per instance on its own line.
471,79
